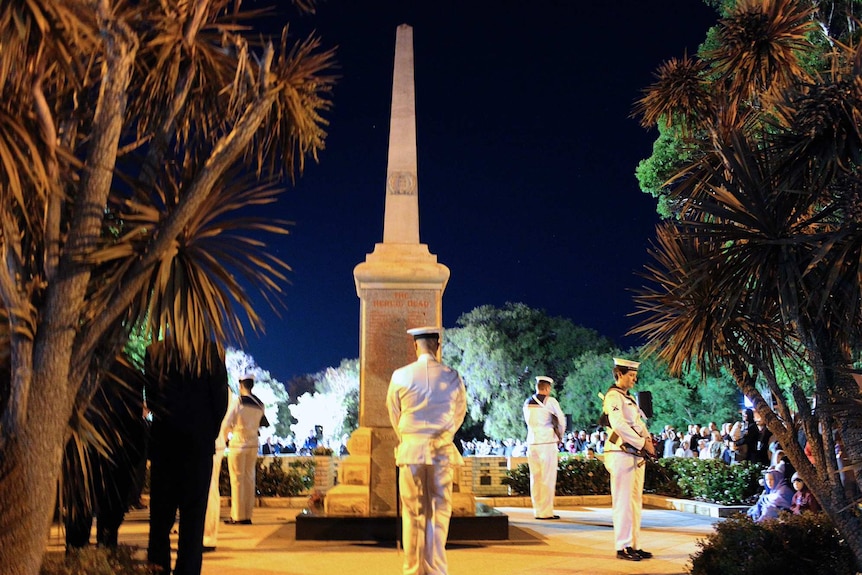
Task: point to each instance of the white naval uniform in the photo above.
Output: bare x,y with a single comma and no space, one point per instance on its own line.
543,451
427,402
213,516
243,424
626,470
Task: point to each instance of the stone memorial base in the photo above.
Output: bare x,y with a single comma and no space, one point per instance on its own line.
487,524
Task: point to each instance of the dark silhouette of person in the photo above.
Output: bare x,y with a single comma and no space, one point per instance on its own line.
188,403
103,490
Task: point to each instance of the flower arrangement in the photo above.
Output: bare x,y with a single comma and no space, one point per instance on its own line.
315,501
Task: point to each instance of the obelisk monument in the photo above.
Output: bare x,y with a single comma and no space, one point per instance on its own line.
400,285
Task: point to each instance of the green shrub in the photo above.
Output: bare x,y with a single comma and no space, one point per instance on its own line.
700,479
713,480
806,544
575,476
518,480
579,476
661,480
275,481
97,561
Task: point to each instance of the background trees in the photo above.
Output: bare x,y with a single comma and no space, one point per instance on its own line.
131,134
499,351
760,272
334,403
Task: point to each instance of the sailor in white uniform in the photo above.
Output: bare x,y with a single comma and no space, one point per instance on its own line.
427,403
546,425
626,447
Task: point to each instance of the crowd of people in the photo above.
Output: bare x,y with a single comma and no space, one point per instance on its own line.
275,445
745,440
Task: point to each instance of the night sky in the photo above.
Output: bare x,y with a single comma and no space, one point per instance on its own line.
527,154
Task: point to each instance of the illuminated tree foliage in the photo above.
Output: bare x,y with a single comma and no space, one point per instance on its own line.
499,351
132,136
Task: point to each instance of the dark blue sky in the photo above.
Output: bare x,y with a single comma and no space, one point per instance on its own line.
526,161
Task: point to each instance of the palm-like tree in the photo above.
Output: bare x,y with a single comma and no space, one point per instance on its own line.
131,133
764,264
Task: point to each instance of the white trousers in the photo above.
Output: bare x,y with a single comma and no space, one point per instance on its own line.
543,459
213,517
426,506
241,462
627,488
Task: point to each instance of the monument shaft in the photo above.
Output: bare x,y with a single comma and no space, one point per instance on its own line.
400,285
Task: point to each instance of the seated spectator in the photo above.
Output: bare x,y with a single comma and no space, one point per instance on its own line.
777,460
594,440
684,449
803,500
496,448
671,443
520,449
289,445
270,447
716,445
728,455
703,449
310,443
725,430
581,441
467,448
776,496
508,447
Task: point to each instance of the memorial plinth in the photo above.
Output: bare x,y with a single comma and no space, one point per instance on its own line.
400,286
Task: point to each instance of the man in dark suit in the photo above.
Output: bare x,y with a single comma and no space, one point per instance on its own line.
188,403
100,484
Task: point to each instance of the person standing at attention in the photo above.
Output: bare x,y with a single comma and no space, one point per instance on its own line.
546,425
628,438
243,425
427,403
188,402
213,516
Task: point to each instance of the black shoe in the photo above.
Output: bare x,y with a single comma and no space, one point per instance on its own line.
208,548
548,518
644,554
628,554
240,522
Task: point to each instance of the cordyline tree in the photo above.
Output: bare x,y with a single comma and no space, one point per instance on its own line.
763,265
130,134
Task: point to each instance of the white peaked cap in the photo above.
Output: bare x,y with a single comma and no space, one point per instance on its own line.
426,331
626,363
541,378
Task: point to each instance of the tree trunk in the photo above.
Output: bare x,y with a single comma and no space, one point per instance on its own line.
825,486
849,524
28,485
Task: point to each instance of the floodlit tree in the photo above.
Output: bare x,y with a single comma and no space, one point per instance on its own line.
131,133
268,389
764,266
334,403
498,353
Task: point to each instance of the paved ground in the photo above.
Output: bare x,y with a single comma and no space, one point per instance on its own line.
581,542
